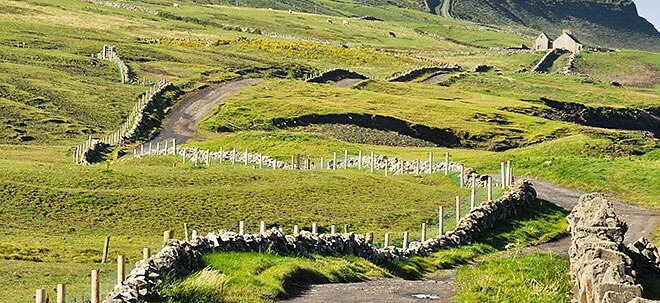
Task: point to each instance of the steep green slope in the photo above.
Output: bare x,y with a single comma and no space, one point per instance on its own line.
610,23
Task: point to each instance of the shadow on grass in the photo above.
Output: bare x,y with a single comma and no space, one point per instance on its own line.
540,222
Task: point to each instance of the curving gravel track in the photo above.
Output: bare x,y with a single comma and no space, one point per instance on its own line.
182,122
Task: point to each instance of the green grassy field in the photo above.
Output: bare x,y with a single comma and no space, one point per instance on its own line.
53,94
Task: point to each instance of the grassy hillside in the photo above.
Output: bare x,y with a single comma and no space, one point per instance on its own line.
604,23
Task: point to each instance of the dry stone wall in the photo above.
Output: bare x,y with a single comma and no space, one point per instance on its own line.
110,53
417,72
84,153
178,259
335,75
600,266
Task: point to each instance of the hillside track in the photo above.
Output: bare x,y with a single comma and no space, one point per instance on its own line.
641,222
444,9
183,121
347,83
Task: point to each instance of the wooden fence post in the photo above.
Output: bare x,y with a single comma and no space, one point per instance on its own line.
446,164
106,246
120,269
233,156
167,236
372,162
185,231
430,162
334,160
423,232
461,177
292,162
146,253
157,148
262,228
61,293
222,154
345,228
241,227
402,166
490,188
360,160
503,175
510,174
458,209
417,167
386,243
441,222
150,149
322,160
315,228
40,296
405,240
246,156
332,229
94,293
386,166
261,160
296,230
345,159
473,197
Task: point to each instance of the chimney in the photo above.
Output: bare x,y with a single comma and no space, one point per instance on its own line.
567,31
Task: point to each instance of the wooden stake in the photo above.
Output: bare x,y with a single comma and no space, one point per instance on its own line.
106,246
405,240
167,236
120,269
322,162
345,159
222,154
360,160
490,188
246,156
473,197
372,162
345,228
430,162
461,177
241,228
334,160
146,253
503,175
292,162
458,209
332,229
262,228
386,168
423,232
386,243
296,230
94,294
61,293
233,156
185,231
315,229
441,222
40,296
446,164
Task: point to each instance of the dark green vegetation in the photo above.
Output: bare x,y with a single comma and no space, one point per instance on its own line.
264,277
54,215
610,23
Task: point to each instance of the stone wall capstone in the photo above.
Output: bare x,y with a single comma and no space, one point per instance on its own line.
178,259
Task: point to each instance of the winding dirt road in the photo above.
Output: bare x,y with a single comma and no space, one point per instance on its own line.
440,286
182,122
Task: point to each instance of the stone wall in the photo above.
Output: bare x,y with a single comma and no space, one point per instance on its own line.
110,53
178,259
417,72
600,267
545,64
644,255
86,152
123,6
335,75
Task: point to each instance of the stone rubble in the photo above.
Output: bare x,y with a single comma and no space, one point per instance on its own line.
178,259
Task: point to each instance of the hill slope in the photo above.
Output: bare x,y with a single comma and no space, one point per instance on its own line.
611,23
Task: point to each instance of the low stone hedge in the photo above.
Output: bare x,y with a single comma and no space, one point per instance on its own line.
178,259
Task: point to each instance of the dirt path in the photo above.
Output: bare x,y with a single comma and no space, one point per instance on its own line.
441,286
435,79
346,83
444,10
182,122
